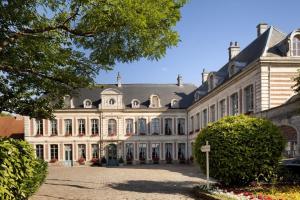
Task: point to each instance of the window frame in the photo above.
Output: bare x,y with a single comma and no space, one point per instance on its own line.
112,127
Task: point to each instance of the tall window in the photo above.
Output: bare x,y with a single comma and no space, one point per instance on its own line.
54,151
248,91
155,101
212,113
129,126
68,126
67,101
181,126
112,127
296,45
95,126
95,151
81,151
222,108
192,124
234,104
204,118
142,151
211,82
81,126
155,151
39,149
142,126
155,126
181,151
169,151
197,121
54,127
168,126
39,127
129,151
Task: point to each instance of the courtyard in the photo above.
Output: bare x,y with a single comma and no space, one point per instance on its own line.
125,182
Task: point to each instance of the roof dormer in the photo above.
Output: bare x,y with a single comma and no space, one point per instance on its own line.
154,101
87,103
294,44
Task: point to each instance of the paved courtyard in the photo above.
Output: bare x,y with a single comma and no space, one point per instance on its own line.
127,182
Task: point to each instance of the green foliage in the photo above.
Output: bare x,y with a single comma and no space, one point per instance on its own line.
50,48
297,85
243,149
21,173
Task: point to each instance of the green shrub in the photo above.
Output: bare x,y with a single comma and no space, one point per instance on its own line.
243,149
21,173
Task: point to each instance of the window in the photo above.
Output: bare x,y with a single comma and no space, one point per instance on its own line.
54,127
81,151
155,102
81,126
155,126
129,126
169,151
181,151
296,45
39,127
112,102
231,70
197,95
68,126
112,127
192,124
197,121
168,126
95,151
212,113
95,126
211,82
142,126
174,103
248,91
155,151
135,103
54,152
39,149
87,103
142,151
181,126
129,151
204,116
234,104
222,108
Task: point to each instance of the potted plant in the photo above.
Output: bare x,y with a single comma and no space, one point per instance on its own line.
142,158
81,161
129,158
95,161
121,161
103,161
53,160
192,159
155,159
169,158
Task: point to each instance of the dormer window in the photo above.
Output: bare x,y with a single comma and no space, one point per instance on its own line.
135,103
211,82
296,45
67,101
87,103
112,102
231,70
197,95
154,101
174,103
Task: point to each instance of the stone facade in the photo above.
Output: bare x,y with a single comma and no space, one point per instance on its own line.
159,122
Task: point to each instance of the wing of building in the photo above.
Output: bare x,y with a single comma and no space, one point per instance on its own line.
159,122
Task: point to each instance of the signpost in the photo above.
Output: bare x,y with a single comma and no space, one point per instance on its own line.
206,148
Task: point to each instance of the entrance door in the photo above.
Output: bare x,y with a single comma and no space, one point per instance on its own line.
112,155
68,155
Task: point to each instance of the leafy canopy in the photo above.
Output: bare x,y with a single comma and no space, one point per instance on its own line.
48,48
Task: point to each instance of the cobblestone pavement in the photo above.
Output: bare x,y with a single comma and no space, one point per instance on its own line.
126,182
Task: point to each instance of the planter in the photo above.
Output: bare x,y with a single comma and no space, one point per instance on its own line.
155,160
81,161
53,160
142,160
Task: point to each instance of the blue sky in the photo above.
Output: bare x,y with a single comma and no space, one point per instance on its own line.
206,28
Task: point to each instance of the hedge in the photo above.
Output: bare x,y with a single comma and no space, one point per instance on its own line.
243,149
21,173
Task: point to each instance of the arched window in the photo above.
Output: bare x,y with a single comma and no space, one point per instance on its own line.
112,127
154,101
197,96
296,45
135,103
211,82
87,103
112,101
174,103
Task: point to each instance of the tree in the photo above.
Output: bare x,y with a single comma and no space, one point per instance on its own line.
297,85
50,48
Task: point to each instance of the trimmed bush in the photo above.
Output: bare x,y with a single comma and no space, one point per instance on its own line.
21,173
243,149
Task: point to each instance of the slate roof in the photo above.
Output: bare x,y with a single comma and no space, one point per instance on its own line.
166,92
270,43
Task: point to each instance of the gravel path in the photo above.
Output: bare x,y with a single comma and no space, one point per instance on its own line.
127,182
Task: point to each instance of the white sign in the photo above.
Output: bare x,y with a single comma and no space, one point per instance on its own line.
205,148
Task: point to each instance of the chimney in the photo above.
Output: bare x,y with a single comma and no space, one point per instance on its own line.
261,28
204,76
179,80
119,80
233,50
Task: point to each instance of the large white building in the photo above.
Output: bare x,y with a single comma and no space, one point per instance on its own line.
159,122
